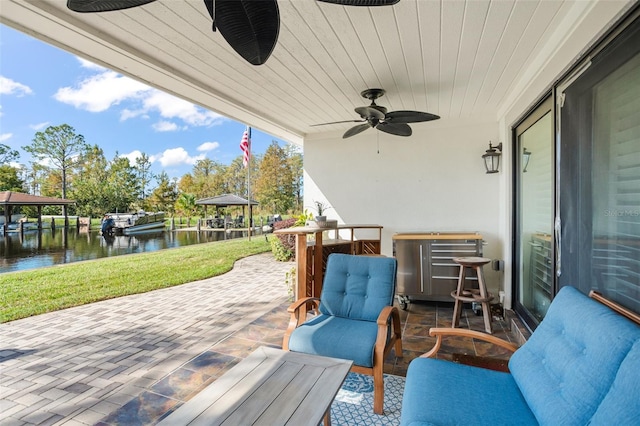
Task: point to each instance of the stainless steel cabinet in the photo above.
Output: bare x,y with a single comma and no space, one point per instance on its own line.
426,270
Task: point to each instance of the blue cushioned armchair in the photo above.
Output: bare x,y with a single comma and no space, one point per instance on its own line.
354,318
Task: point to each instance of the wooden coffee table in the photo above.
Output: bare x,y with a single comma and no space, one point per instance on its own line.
269,387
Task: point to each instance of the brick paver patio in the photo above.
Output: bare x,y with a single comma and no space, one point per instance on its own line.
76,366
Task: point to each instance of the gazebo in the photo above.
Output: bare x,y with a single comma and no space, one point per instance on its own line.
229,200
9,199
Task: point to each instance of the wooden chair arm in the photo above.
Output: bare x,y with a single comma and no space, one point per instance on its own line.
441,332
383,330
303,301
383,317
298,311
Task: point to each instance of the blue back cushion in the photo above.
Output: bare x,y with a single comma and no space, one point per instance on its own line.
358,287
568,365
621,406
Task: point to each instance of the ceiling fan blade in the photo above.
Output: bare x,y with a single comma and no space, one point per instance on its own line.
250,27
362,2
338,122
88,6
409,117
369,112
355,130
398,129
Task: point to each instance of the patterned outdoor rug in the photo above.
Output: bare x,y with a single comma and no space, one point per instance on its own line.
353,405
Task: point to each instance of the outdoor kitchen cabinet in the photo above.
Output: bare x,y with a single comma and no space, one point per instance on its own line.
426,270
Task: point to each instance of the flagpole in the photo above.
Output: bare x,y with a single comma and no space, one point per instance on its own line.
249,185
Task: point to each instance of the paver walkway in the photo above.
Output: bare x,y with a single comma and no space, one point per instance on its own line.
75,366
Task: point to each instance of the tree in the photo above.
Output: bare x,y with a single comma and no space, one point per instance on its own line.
274,187
62,148
121,185
186,184
9,179
90,189
164,197
144,175
203,172
295,160
186,204
7,154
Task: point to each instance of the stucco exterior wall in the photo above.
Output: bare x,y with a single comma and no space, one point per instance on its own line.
432,181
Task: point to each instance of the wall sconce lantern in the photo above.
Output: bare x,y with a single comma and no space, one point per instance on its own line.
492,158
526,156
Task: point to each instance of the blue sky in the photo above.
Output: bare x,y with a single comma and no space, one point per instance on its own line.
41,86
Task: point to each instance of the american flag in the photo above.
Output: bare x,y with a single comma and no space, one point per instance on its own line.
245,146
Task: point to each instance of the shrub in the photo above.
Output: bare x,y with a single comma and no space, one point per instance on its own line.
283,247
280,252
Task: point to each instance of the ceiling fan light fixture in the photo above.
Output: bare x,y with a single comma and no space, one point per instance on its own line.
377,117
90,6
364,3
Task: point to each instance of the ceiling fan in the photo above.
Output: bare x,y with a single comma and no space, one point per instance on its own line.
376,116
251,27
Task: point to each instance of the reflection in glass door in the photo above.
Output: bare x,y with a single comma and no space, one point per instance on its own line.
534,214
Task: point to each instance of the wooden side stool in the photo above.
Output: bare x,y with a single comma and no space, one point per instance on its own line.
479,295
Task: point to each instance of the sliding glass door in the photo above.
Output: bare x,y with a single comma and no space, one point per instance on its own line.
535,213
600,174
577,182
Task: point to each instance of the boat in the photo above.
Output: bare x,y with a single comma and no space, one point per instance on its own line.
16,221
132,223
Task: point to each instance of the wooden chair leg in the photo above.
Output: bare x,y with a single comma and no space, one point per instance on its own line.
378,390
398,347
327,417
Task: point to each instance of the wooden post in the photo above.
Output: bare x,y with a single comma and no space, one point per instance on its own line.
301,265
317,266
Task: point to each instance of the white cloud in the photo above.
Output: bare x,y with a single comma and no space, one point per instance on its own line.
175,157
107,89
90,65
132,156
101,91
165,126
127,113
208,146
39,126
171,107
5,136
10,87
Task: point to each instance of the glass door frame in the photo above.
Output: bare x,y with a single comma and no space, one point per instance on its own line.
547,105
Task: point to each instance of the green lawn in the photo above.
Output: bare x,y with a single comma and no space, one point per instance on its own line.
27,293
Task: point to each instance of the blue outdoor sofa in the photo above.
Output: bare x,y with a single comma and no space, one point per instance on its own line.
581,366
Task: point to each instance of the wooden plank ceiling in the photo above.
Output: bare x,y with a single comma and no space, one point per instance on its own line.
454,58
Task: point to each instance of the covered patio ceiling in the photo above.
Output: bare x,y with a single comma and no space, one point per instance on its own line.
456,59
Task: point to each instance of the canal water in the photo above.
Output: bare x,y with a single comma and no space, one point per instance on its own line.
35,249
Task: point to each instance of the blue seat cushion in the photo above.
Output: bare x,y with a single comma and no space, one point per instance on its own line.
568,365
621,406
336,337
440,392
358,287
